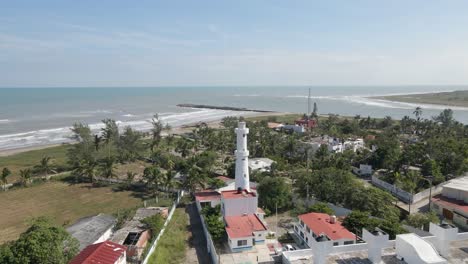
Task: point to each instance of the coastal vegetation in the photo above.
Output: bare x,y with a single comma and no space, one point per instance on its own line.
43,242
455,98
114,170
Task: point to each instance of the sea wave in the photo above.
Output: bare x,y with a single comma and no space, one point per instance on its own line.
59,135
369,100
5,121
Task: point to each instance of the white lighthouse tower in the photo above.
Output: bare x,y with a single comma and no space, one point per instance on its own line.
242,158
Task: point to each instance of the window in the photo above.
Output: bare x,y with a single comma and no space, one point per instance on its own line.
302,223
335,244
302,235
295,228
308,229
349,242
307,239
241,243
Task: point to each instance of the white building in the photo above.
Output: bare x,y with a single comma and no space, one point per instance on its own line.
353,144
239,204
318,227
260,164
452,203
363,170
294,128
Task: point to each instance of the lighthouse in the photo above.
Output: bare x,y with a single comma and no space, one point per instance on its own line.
242,158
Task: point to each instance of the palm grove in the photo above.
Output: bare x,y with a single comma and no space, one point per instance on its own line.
440,148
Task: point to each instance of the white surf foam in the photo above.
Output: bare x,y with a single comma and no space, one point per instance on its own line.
62,134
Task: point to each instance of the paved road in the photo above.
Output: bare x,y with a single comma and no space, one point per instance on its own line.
197,252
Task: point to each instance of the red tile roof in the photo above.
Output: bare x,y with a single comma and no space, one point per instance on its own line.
320,224
207,196
450,203
106,252
243,226
235,194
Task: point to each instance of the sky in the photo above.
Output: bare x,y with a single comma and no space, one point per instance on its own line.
244,42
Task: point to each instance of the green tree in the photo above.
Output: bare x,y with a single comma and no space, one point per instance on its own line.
43,242
156,130
445,118
25,176
153,177
418,113
274,192
5,173
107,168
110,134
421,220
321,208
155,223
45,167
129,145
215,227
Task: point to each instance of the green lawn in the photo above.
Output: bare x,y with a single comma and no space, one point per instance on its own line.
63,202
174,242
31,158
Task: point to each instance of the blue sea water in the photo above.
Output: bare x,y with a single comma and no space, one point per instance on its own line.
41,116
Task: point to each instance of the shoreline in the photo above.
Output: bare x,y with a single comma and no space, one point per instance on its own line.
452,99
175,130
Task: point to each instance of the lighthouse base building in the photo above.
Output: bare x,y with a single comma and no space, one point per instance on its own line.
243,219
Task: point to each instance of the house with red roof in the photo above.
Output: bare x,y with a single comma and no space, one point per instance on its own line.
106,252
317,227
244,231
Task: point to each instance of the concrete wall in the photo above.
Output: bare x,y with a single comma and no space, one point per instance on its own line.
104,236
209,241
247,205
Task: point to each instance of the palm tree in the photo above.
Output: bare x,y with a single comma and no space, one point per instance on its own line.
195,178
169,180
5,173
156,130
89,169
25,176
110,133
153,177
45,167
107,167
130,177
418,112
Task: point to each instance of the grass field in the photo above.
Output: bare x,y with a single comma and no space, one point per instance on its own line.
29,159
173,244
456,98
63,202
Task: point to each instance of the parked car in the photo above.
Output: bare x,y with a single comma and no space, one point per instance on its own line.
289,247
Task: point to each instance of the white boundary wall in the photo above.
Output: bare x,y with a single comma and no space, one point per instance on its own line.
289,256
169,217
404,195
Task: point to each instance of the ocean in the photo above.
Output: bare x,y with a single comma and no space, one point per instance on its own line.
43,116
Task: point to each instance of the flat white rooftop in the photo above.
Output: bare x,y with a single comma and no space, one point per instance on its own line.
458,184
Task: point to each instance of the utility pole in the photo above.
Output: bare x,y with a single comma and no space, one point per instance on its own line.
276,230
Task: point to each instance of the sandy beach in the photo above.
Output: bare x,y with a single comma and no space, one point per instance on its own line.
175,130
